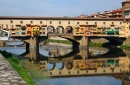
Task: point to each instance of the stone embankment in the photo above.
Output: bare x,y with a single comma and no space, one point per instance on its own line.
8,76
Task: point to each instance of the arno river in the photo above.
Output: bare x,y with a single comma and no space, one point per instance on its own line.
65,66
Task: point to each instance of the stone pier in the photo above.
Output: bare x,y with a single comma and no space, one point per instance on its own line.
8,76
84,42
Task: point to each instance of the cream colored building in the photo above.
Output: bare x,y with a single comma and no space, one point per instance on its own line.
62,23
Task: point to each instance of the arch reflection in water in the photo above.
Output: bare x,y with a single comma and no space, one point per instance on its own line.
59,65
114,65
117,64
50,66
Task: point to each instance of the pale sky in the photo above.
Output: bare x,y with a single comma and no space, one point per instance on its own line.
56,7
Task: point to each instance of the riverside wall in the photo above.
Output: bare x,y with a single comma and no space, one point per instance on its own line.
8,76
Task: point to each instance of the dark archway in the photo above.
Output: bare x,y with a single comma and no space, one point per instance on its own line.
69,30
50,29
59,30
69,65
115,41
78,57
74,42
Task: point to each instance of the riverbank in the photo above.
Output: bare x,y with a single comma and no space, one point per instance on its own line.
8,76
127,47
69,43
11,65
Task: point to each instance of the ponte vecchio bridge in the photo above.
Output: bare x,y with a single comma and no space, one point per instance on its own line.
33,30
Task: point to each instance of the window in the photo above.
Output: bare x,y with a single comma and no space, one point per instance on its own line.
23,33
104,71
120,22
86,22
12,26
95,22
6,26
68,22
31,22
112,22
104,23
78,72
59,22
50,22
21,22
40,22
77,22
43,28
11,21
59,72
50,73
0,26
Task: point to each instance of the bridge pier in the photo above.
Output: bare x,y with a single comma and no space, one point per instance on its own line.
84,42
33,43
84,53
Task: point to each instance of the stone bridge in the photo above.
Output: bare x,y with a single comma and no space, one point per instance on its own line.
77,30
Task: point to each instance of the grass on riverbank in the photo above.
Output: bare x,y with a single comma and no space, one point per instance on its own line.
60,41
127,47
14,61
92,44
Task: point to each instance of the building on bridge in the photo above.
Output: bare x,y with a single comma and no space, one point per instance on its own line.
27,26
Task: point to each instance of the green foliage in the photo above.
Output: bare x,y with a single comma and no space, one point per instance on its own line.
22,72
60,41
94,44
127,47
6,54
14,61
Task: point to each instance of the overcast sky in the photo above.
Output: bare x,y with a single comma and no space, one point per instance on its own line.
55,7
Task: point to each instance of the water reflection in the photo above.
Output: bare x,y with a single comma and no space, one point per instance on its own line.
82,65
98,66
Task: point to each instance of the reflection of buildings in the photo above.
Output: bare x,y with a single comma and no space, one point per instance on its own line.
74,67
102,66
56,52
121,62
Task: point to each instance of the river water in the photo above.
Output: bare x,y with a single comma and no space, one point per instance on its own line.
55,65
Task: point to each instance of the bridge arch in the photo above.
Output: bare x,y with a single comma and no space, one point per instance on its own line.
69,30
14,43
60,30
50,29
74,42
